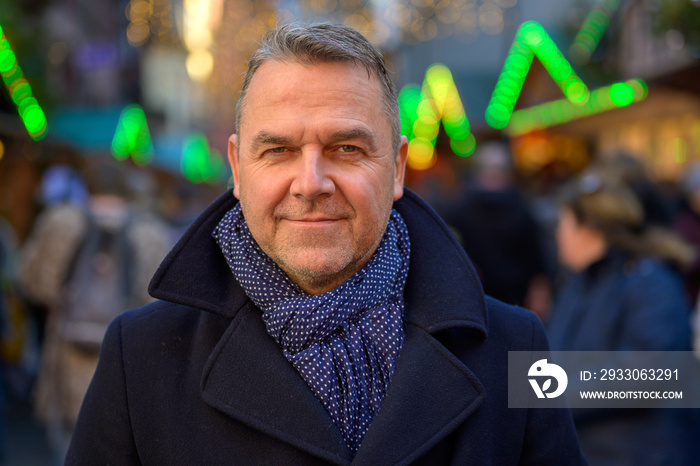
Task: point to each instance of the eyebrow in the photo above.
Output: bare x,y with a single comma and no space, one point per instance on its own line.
356,133
265,138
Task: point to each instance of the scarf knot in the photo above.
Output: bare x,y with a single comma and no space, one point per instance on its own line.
345,342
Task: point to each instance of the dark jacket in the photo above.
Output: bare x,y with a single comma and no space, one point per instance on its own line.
687,225
502,239
625,304
195,378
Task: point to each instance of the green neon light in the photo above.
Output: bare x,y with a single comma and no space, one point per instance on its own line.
20,90
621,94
200,164
531,41
592,30
561,111
12,76
29,110
409,97
7,58
423,109
132,137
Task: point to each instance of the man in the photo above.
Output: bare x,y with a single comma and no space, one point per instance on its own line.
312,323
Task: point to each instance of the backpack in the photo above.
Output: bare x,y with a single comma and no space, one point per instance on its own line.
98,285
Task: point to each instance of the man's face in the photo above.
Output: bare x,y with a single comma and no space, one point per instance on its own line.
315,170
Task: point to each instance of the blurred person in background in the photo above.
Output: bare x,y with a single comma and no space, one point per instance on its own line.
659,209
181,204
85,265
624,293
62,184
687,224
7,250
499,232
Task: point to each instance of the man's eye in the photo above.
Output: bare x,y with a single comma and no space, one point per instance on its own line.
348,148
278,150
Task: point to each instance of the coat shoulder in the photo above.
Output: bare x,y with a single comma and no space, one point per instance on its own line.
162,325
515,327
157,316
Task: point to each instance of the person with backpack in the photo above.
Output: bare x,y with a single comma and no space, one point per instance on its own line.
85,265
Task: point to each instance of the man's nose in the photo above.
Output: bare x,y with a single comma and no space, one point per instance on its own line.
312,178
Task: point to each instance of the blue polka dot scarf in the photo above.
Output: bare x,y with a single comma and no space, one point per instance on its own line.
345,342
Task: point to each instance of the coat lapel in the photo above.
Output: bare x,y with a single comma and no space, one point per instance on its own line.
430,394
248,378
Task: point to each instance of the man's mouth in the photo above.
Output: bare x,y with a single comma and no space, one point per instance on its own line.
313,219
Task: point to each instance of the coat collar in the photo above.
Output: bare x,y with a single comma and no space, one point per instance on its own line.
248,378
442,289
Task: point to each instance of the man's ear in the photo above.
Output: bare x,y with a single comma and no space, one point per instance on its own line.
233,160
400,173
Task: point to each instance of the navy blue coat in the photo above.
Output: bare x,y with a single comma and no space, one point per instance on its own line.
626,304
195,378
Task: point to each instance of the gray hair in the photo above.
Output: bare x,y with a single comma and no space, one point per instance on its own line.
323,43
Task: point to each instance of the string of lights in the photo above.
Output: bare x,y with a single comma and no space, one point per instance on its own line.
423,109
20,90
531,41
561,111
592,30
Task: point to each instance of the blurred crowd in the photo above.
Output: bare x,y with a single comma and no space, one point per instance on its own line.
103,229
607,260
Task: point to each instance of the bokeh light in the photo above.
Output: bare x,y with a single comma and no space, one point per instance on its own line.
30,112
423,109
621,94
132,137
563,110
201,18
200,164
200,64
149,20
531,41
592,30
421,154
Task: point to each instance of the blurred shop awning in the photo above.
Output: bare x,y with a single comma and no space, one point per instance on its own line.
92,131
123,132
89,131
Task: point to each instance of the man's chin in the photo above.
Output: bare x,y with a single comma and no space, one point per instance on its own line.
319,272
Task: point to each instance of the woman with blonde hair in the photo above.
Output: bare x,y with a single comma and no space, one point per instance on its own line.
624,293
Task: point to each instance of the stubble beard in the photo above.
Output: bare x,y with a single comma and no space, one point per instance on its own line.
302,258
315,276
319,263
